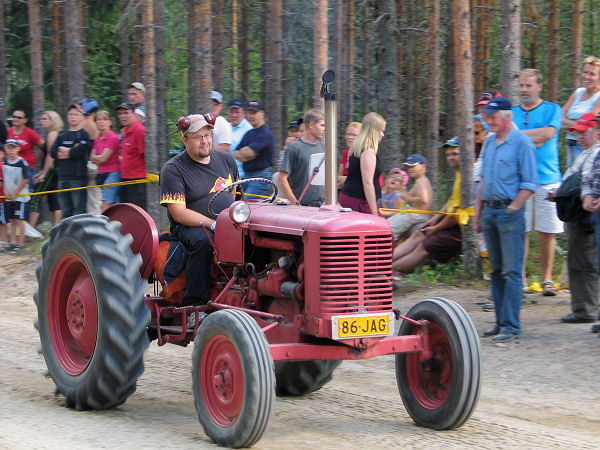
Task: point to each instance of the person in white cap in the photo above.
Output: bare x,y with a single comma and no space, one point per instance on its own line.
223,134
187,183
136,95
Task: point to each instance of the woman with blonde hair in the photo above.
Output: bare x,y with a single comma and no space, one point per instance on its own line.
583,100
45,178
362,190
105,153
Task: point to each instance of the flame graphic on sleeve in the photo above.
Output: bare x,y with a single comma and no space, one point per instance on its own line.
173,198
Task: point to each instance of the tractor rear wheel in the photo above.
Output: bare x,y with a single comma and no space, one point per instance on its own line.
441,392
303,377
91,313
232,378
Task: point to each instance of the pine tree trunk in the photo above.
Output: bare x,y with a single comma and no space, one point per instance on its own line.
136,44
125,66
320,44
74,72
234,48
532,33
464,106
199,57
2,65
348,65
510,45
149,77
576,41
553,47
244,73
273,93
58,51
218,55
338,58
433,84
366,33
400,55
388,83
162,127
35,53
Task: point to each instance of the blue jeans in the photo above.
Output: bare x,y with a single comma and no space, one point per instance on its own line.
573,151
72,202
258,187
596,217
505,238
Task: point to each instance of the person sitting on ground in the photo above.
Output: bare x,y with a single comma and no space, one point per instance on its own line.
187,183
419,197
395,184
440,236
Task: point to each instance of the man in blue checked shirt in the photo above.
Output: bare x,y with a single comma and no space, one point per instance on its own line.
509,176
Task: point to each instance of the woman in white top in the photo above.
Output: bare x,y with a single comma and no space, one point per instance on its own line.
585,99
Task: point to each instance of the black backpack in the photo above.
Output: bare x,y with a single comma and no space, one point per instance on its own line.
568,203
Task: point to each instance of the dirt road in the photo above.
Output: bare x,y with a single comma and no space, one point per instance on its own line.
541,391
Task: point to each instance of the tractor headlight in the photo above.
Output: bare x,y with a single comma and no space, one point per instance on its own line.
240,213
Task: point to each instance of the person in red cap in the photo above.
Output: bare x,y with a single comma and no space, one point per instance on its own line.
584,282
187,183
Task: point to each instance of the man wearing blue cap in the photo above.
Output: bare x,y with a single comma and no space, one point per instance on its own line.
508,178
239,125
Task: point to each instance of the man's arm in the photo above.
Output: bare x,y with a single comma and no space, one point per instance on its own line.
540,136
285,188
223,147
181,214
417,194
244,154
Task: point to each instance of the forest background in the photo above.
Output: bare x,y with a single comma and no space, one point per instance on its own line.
421,64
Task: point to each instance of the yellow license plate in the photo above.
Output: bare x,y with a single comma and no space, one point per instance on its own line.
362,325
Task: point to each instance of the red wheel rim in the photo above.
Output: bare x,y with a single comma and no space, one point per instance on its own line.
222,380
431,380
72,314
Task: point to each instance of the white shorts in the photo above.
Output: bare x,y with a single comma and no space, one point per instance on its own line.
543,212
402,223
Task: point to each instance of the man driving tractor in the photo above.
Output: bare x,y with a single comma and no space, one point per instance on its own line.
187,183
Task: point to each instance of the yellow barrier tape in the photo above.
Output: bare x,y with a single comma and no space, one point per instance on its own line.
461,215
150,178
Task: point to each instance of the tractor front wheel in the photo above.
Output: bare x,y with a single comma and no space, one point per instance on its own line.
441,390
91,313
232,378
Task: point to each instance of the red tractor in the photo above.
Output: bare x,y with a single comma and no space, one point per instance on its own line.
294,291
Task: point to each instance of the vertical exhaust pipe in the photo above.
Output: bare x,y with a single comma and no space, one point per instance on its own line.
330,139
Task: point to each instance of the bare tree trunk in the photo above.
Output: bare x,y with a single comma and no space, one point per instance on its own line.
576,41
2,65
348,68
464,103
273,93
388,79
75,77
338,58
162,128
218,55
532,31
366,32
124,30
433,82
411,80
553,46
400,73
285,99
320,44
136,44
82,34
200,58
149,69
481,46
58,51
35,53
510,44
244,50
234,47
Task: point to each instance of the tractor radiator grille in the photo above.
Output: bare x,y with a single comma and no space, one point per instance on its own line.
355,274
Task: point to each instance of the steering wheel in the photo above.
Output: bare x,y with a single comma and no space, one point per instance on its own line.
229,187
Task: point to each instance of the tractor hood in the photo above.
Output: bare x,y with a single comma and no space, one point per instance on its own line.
296,220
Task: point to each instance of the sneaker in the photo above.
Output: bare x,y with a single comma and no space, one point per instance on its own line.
504,337
191,319
492,331
548,288
595,328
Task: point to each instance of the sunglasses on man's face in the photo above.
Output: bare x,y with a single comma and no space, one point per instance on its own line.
18,117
